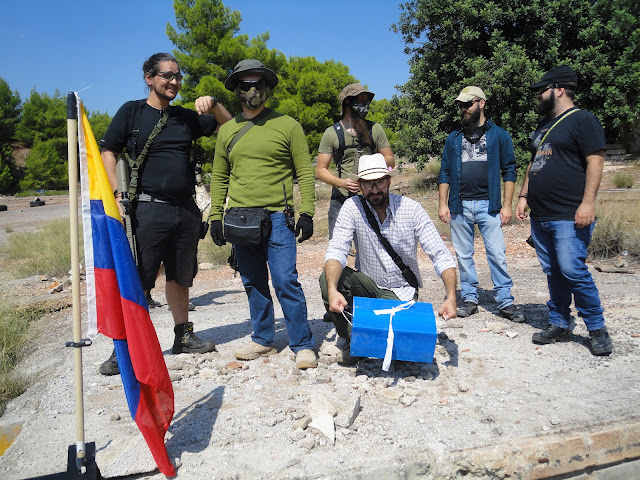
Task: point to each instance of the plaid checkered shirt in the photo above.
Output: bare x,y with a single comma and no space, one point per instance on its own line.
406,225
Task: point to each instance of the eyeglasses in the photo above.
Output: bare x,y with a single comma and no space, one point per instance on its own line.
466,105
246,85
371,184
541,90
169,75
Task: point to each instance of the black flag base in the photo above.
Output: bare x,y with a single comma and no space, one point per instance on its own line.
73,471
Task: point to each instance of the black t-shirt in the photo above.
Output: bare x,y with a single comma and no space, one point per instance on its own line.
558,167
166,173
474,170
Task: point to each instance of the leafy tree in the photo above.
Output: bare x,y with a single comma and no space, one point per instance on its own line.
209,46
99,123
45,167
503,46
9,112
43,117
9,117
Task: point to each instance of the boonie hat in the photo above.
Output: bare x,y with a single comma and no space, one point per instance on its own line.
247,67
372,167
352,90
562,76
469,93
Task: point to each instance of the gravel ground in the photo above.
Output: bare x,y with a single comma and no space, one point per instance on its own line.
488,385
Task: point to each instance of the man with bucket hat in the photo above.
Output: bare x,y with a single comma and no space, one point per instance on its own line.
344,142
474,158
560,188
381,272
258,154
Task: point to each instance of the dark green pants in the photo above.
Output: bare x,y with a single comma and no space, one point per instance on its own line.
351,284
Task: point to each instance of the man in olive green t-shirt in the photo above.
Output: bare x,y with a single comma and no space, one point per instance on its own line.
258,172
361,137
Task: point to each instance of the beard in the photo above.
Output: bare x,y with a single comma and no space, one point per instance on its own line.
378,199
360,126
470,119
545,107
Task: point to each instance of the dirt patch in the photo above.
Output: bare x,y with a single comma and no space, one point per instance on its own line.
488,388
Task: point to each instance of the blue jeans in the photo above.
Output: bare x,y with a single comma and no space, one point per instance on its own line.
562,251
279,252
476,212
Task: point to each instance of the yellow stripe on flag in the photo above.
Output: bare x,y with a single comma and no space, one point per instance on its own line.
99,186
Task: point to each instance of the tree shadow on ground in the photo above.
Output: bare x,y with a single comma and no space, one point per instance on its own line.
192,426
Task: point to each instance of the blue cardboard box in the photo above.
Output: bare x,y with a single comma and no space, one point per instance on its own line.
414,330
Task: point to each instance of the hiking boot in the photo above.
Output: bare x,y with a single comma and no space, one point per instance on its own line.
344,357
306,358
187,342
551,334
151,303
600,342
110,367
512,313
467,309
253,350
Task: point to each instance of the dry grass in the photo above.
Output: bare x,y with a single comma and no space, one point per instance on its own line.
45,251
617,230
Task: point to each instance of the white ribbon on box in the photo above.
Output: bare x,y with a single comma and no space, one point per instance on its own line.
391,312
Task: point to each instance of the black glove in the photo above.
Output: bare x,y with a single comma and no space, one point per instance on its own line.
216,233
305,224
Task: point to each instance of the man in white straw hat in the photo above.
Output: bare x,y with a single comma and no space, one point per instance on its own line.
403,224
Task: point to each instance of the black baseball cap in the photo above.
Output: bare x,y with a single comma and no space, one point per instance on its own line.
561,76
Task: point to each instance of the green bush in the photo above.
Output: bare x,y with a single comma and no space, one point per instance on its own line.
622,180
14,335
44,166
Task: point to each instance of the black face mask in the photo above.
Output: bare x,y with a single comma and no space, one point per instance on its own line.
361,108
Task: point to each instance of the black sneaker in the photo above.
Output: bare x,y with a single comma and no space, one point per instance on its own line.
151,303
110,367
551,334
601,342
512,313
467,309
187,342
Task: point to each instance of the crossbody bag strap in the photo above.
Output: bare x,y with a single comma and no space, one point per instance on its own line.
135,164
407,273
246,128
553,126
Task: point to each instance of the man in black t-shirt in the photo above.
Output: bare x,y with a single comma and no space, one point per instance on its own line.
560,188
165,216
475,157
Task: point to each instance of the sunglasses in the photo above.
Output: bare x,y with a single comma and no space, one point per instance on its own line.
370,184
246,85
541,90
169,75
466,105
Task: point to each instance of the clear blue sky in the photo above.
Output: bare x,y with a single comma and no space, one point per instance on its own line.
68,45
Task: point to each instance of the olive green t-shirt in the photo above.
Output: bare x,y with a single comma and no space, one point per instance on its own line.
329,144
267,156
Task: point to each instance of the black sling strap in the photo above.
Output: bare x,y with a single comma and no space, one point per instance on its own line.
407,273
341,145
136,161
250,123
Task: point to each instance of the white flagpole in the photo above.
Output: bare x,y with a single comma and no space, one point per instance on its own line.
72,144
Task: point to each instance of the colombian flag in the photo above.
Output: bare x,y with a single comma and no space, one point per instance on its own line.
117,305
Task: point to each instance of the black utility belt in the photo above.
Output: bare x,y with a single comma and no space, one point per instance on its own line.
145,197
